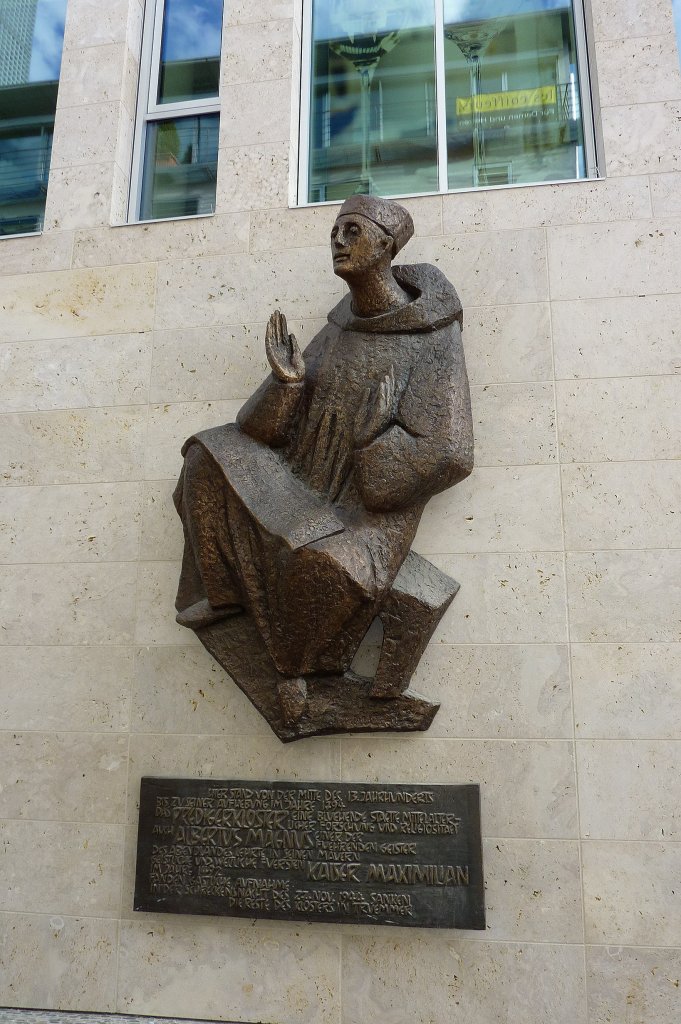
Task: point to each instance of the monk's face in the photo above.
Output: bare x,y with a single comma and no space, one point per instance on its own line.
358,246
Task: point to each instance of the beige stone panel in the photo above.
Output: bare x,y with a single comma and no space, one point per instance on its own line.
36,253
257,52
171,425
652,69
508,344
164,240
570,202
75,372
253,177
527,787
633,985
254,757
228,970
90,523
76,689
279,230
156,590
243,12
199,364
631,893
489,267
627,691
78,303
621,419
625,596
622,505
64,776
91,74
86,134
63,963
79,197
505,598
162,536
629,789
244,289
68,604
533,890
627,336
498,691
665,190
76,446
628,18
184,690
496,509
253,115
422,978
89,23
216,363
603,260
58,867
514,424
642,138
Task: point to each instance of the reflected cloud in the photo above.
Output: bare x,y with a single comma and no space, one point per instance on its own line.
48,38
479,10
349,18
192,29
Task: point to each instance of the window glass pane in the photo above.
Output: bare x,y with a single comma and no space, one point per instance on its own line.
180,167
31,36
513,102
190,50
373,113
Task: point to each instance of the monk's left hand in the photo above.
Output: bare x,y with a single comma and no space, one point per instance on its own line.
376,415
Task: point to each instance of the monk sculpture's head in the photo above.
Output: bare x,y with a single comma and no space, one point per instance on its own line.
367,235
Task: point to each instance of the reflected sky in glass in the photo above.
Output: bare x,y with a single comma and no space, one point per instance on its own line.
478,10
339,18
192,29
676,5
48,37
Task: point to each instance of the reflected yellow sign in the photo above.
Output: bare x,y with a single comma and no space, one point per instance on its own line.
518,99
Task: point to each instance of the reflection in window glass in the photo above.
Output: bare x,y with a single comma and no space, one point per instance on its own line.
31,37
180,167
190,50
502,106
372,99
513,100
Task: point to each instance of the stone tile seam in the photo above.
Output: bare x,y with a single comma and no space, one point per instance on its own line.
137,733
48,562
449,933
486,643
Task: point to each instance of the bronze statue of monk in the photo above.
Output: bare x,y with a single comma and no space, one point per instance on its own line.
299,517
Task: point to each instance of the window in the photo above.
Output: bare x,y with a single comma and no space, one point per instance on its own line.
176,145
402,98
31,38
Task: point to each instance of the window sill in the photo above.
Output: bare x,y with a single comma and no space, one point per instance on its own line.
464,191
164,220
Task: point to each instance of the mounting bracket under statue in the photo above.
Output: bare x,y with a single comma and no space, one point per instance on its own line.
418,599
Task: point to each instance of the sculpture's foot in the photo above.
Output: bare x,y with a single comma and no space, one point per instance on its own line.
293,699
202,613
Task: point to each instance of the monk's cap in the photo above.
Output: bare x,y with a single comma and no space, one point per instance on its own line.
389,215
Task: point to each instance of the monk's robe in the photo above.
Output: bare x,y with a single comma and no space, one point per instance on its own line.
299,517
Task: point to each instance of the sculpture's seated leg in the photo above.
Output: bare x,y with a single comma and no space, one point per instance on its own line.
417,601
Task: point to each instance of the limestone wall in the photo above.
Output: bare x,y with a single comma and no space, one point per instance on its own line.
559,664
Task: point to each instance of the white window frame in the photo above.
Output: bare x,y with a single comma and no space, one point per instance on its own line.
588,98
149,110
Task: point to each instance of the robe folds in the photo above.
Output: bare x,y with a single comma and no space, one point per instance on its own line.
304,510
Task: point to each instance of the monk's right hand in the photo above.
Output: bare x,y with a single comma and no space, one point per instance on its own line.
282,350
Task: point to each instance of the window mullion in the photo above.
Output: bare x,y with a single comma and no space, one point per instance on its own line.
441,98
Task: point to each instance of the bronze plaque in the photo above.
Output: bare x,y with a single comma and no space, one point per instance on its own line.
343,852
